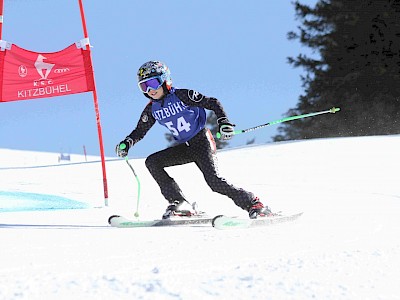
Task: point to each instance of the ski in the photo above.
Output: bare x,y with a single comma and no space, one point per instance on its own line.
121,222
224,222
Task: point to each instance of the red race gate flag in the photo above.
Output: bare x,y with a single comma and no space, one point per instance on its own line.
30,75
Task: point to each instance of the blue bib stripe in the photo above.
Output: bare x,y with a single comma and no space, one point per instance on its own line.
183,121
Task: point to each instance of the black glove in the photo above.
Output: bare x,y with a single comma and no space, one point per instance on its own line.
225,128
123,147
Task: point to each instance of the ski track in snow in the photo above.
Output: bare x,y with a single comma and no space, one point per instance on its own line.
345,246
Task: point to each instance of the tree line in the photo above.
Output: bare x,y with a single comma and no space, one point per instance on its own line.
355,66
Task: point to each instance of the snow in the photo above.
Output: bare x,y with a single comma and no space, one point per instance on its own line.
345,246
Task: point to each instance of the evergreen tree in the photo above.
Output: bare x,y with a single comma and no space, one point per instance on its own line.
250,142
358,44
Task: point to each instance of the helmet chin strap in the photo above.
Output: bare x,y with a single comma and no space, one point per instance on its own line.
166,92
147,96
165,88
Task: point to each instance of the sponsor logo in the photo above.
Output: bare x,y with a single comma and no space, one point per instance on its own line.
22,71
195,96
42,67
62,70
145,118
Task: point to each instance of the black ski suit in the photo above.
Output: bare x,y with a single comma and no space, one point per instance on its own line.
199,149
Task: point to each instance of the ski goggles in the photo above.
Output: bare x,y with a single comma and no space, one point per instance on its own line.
149,84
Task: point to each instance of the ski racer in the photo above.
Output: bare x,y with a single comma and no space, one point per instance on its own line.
182,112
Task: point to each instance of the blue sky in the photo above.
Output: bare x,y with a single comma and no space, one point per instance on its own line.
235,51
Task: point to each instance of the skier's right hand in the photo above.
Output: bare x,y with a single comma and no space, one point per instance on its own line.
123,147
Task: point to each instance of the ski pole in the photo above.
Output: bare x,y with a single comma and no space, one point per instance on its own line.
122,147
332,111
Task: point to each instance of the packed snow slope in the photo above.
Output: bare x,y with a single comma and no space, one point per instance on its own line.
56,243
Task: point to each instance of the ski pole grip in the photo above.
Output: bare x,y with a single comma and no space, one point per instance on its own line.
218,135
122,146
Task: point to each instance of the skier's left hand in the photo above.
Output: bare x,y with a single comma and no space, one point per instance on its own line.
225,128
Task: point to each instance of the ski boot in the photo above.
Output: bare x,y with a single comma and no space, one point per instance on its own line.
173,210
258,210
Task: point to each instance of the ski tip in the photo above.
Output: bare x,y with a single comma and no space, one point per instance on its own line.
215,218
111,217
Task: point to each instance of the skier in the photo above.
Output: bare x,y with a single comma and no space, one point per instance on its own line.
182,111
